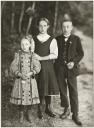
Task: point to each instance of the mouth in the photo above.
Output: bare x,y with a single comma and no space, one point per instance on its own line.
42,31
25,49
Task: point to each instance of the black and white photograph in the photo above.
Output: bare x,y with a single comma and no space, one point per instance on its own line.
47,64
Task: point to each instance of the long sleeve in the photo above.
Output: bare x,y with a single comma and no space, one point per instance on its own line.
53,49
14,67
32,45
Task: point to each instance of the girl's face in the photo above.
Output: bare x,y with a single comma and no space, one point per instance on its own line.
67,28
25,45
43,27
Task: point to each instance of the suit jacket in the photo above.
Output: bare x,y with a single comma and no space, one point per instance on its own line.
75,53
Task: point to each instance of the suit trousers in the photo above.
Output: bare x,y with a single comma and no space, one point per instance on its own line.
71,83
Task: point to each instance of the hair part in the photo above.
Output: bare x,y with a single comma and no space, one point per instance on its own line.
44,19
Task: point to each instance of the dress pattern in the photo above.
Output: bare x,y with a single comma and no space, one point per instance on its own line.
24,92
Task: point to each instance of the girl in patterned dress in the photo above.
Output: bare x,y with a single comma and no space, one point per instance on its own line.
23,68
46,51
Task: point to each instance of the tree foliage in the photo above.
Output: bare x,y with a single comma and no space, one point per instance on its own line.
17,19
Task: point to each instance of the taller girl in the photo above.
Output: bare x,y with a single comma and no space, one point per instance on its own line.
46,51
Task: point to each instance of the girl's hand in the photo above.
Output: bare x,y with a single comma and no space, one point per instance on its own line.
36,56
29,74
22,76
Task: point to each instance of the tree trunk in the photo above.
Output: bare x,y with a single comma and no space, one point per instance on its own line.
3,24
2,6
21,16
29,24
30,18
12,17
55,19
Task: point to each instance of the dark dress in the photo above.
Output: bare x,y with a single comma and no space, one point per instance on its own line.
47,82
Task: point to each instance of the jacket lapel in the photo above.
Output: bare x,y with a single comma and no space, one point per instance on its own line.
61,42
70,47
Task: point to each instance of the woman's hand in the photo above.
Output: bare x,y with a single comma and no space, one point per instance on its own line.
36,56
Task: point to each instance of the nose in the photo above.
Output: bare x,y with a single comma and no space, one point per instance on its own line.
65,28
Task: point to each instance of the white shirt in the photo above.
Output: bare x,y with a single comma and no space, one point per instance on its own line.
66,37
53,49
53,46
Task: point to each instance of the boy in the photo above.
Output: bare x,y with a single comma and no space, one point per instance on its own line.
70,52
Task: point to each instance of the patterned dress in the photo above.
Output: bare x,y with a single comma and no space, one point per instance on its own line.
24,92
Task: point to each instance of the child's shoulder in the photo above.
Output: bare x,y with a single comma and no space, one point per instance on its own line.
75,36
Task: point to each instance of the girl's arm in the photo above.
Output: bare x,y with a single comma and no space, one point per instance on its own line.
53,52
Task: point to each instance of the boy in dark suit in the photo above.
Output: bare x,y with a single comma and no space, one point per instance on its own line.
70,53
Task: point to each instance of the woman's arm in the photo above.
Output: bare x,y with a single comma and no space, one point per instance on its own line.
53,49
32,45
53,52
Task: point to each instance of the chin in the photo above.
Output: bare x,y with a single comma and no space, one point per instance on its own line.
43,32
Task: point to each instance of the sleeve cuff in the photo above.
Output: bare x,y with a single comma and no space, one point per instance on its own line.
52,56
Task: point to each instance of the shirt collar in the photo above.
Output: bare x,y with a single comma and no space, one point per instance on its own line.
66,36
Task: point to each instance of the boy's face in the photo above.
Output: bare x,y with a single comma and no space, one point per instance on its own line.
25,45
67,27
43,27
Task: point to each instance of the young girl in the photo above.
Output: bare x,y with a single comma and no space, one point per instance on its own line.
46,51
23,68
